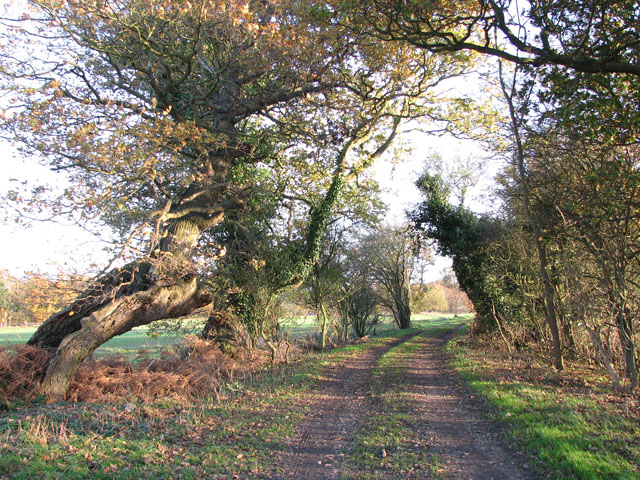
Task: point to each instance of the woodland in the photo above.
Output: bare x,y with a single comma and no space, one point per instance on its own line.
228,145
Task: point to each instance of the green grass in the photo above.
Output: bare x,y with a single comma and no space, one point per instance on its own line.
386,443
437,324
15,335
308,325
569,432
167,439
132,343
129,345
582,433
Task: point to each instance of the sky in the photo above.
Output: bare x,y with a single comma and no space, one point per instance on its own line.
46,246
400,193
53,246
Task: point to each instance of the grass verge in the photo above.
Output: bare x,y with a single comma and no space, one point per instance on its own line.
572,424
166,439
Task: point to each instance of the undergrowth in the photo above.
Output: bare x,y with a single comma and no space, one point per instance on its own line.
192,369
573,423
21,369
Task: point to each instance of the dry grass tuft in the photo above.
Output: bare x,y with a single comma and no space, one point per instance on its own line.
193,369
21,370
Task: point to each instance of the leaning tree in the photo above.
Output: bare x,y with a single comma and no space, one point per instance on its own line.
151,108
155,111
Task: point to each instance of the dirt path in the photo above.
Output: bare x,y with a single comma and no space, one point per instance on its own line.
319,446
447,421
467,444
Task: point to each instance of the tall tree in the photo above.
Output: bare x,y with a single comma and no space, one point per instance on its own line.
324,282
157,110
158,107
586,36
593,191
519,161
359,301
391,255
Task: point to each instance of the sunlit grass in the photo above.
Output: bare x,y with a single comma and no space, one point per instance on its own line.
129,344
170,439
15,335
572,433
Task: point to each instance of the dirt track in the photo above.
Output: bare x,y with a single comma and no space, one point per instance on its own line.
318,448
469,445
449,420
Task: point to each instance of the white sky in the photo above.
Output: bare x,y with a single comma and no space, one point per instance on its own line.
400,193
45,246
49,246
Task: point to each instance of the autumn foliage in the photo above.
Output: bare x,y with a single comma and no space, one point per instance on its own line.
192,369
34,297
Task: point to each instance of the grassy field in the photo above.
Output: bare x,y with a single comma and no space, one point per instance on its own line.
572,425
132,343
128,345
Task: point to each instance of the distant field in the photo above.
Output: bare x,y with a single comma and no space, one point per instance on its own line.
307,325
128,345
131,343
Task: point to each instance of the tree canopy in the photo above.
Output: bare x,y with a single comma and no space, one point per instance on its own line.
585,36
170,118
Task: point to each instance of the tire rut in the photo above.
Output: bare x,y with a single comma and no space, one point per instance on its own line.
339,399
468,445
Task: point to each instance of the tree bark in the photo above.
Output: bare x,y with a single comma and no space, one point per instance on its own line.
118,283
550,309
114,318
403,308
623,324
500,329
324,324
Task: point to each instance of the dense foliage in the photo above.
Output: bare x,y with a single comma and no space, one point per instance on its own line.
222,141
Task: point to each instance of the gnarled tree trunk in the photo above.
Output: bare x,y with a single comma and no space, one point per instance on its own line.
138,294
114,318
118,283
